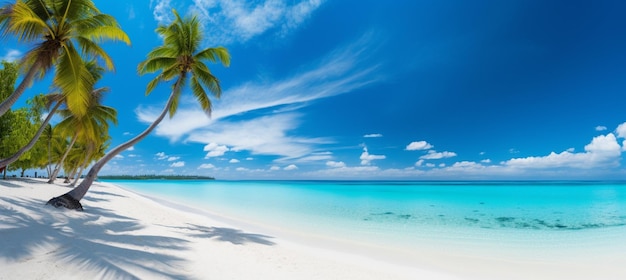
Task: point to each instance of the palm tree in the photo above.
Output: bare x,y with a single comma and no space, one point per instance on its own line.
60,28
85,129
59,99
90,152
179,59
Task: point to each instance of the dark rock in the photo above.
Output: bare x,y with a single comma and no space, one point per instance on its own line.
66,201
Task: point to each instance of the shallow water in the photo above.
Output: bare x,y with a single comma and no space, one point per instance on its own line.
536,218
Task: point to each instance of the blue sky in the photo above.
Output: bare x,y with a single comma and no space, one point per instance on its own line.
405,89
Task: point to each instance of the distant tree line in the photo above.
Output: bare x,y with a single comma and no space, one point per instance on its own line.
155,177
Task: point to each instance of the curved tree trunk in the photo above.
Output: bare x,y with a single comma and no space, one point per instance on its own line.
81,169
33,141
28,79
71,199
59,165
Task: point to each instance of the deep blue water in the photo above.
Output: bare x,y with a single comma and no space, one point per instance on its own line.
541,213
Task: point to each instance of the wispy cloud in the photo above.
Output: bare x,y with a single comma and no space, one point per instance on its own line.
344,70
230,21
162,10
12,55
419,145
373,135
438,155
291,167
206,166
178,164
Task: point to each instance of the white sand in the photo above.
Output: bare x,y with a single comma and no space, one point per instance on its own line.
124,235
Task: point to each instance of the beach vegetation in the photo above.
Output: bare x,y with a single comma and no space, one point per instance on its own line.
24,122
89,130
181,61
155,177
63,34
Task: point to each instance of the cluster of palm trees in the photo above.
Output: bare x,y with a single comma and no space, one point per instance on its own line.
66,34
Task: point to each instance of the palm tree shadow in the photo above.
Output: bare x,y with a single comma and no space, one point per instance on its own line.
98,241
234,236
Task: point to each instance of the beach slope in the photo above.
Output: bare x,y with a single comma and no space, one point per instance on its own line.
124,235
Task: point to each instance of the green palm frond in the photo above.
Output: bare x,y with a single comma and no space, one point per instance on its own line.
20,20
180,58
202,72
157,63
200,94
93,50
64,32
174,107
74,80
106,33
215,55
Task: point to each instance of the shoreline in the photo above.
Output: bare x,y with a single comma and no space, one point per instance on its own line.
126,234
122,234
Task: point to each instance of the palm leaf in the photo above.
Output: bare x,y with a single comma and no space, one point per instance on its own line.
200,94
74,80
215,55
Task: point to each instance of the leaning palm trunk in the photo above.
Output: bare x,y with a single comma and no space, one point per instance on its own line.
71,199
60,164
5,162
28,79
81,169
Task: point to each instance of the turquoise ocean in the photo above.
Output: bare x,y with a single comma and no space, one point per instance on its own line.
527,219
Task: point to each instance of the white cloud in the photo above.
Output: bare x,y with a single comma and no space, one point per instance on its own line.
233,160
215,150
316,157
206,166
265,135
291,167
342,71
162,10
242,169
367,158
130,9
132,148
228,21
161,156
274,168
335,164
602,151
601,128
119,157
419,145
621,130
12,55
374,135
438,155
485,161
173,158
419,162
178,164
249,158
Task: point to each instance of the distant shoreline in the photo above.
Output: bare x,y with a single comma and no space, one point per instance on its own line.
155,177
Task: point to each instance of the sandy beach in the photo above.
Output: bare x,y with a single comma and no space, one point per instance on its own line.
125,235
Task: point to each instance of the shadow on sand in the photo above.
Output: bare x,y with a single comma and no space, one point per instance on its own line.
97,240
234,236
